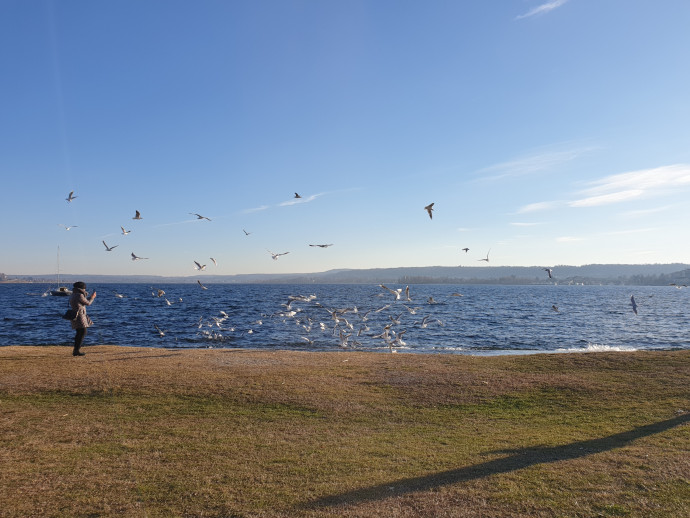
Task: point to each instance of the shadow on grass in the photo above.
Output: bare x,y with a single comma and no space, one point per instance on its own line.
519,459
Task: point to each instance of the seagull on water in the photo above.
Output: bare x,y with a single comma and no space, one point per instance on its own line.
555,308
70,197
137,215
549,271
200,267
125,232
137,258
67,227
323,246
109,248
633,304
199,216
486,258
275,256
429,208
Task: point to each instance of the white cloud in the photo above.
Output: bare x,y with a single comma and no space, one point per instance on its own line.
542,9
607,199
644,212
542,205
296,201
625,186
256,209
535,163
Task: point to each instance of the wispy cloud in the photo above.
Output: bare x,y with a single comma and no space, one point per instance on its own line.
532,163
542,9
524,224
296,201
569,239
542,205
255,209
644,212
636,184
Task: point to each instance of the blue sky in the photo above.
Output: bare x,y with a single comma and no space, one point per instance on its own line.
549,132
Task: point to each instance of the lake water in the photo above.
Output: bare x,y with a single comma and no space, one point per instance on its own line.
486,319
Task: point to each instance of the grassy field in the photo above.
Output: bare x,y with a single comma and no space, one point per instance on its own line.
159,433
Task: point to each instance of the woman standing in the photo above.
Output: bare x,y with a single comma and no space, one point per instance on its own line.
78,302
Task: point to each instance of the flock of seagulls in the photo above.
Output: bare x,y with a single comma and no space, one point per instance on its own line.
197,265
346,324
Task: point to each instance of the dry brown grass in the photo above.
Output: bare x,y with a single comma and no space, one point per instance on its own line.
156,432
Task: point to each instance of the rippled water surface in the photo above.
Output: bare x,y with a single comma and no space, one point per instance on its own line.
483,320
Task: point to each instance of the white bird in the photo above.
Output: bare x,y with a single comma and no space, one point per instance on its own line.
137,258
160,292
137,215
396,293
70,197
486,258
407,294
429,208
66,227
199,216
323,246
160,333
200,267
275,256
547,270
633,304
215,263
202,286
125,232
109,248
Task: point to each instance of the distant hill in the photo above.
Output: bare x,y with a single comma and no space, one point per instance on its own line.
625,274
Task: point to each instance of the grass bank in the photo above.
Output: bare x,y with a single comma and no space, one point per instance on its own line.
156,432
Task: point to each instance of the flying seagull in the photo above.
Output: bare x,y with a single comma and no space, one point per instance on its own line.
160,333
200,267
487,257
555,308
245,232
199,216
125,232
549,271
109,248
465,250
323,246
214,261
429,208
202,286
633,304
136,257
66,227
70,197
275,256
137,215
297,195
